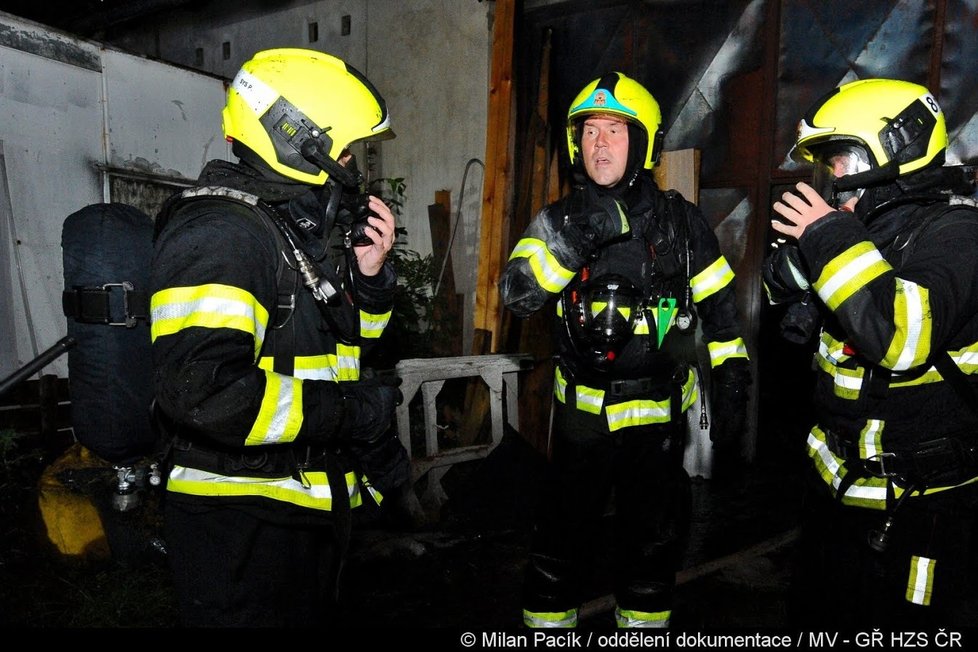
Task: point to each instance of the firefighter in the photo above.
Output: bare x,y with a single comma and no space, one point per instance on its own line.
627,270
880,244
274,435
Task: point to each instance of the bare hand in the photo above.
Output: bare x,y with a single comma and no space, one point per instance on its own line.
799,212
371,257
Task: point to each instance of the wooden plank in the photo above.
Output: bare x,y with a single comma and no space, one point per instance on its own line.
495,196
446,318
679,170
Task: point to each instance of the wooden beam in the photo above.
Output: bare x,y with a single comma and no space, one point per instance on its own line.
493,241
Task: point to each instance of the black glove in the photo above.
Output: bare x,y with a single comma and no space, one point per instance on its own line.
601,220
368,409
785,275
729,385
368,434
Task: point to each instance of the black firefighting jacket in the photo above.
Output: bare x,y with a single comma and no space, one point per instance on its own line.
674,258
897,297
246,368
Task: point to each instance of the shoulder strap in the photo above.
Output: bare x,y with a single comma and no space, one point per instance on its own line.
286,271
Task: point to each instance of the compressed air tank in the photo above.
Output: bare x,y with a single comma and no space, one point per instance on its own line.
107,249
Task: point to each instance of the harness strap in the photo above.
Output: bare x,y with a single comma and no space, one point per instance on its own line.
929,463
92,305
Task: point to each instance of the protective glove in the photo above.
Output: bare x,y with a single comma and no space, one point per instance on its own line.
367,431
368,409
599,221
729,384
785,275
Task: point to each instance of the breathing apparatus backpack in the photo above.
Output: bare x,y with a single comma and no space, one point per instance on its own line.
92,493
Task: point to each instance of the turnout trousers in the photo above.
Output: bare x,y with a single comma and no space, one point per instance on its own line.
641,468
925,576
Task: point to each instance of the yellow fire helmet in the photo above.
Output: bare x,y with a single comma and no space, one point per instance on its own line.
898,122
298,110
619,95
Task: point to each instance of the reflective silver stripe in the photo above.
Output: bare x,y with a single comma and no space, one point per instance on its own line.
720,352
631,618
589,399
548,272
870,439
546,619
315,494
315,367
208,306
847,382
256,94
911,316
921,581
637,413
867,492
711,280
372,326
280,415
849,272
347,362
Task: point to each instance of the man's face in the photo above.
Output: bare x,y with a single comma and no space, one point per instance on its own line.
604,147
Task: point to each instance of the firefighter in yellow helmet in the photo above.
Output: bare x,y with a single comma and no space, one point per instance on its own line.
275,432
627,270
883,247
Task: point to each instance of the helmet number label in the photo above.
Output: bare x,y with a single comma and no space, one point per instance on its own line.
257,94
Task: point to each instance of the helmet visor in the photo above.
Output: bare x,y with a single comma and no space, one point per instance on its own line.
834,161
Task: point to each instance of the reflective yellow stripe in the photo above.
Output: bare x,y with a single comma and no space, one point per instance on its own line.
711,280
207,306
849,272
910,345
560,385
630,618
720,352
640,412
280,415
921,581
870,439
550,274
314,495
864,492
315,367
847,382
550,619
641,323
372,326
831,348
323,367
589,399
643,412
347,362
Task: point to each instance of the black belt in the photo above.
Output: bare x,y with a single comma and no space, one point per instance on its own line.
949,460
264,462
630,387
